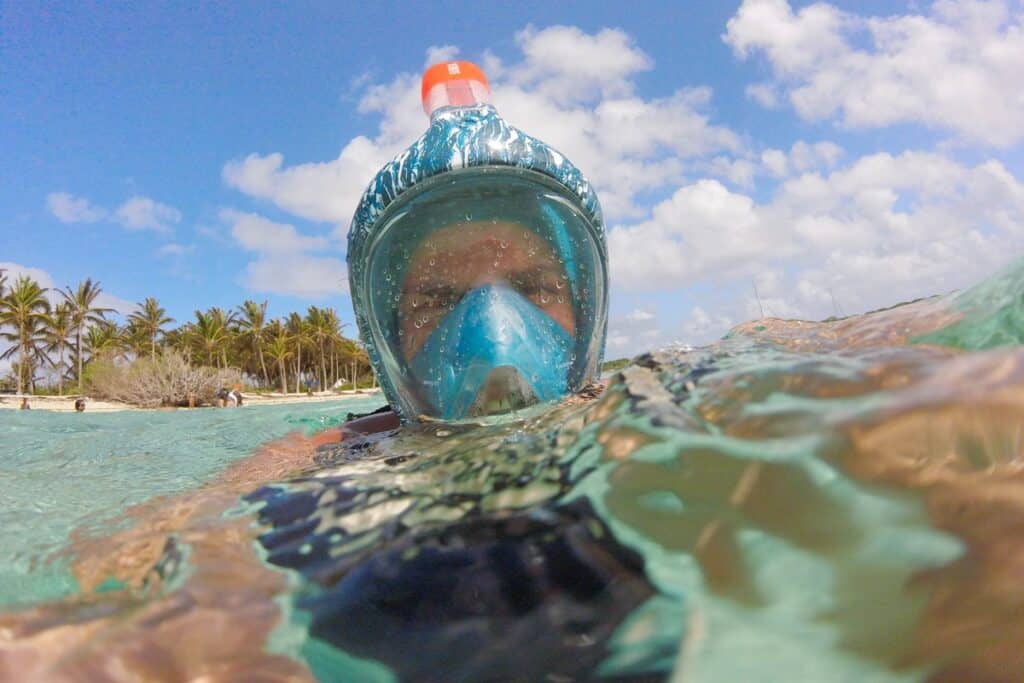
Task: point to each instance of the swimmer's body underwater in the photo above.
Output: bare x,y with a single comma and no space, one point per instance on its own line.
477,267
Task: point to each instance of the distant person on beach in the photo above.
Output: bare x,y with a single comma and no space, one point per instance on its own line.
79,405
24,404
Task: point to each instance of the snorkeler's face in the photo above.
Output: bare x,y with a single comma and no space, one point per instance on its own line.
459,259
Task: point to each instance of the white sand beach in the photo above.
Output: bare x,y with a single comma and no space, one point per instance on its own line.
67,403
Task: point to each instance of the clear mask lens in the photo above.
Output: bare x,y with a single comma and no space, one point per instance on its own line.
514,234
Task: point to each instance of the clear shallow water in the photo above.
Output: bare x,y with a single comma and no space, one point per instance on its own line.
65,471
836,501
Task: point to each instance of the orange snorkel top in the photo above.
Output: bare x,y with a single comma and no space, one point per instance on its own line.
454,84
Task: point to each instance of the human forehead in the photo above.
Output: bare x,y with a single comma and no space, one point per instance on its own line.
478,233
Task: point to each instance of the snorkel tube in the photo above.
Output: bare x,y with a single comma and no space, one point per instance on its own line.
472,169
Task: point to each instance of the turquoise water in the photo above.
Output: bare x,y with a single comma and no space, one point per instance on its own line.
800,501
65,471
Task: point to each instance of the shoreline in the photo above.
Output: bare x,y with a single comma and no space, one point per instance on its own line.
66,404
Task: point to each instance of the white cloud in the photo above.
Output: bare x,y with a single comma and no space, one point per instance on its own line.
703,229
571,89
775,161
298,274
739,172
440,53
804,156
633,332
71,209
283,265
960,68
881,229
175,249
639,315
801,157
137,213
256,233
142,213
321,191
764,94
566,66
700,326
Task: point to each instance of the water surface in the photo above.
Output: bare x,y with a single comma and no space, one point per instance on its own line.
801,501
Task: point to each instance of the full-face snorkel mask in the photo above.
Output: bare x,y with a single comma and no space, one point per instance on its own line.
477,264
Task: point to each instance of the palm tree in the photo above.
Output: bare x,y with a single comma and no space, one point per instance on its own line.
211,334
58,329
358,358
298,330
319,331
181,338
149,320
279,349
24,309
334,340
84,313
252,326
105,338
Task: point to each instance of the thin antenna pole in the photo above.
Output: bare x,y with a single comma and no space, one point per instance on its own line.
758,296
835,304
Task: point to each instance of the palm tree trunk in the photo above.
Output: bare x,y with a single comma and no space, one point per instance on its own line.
60,372
266,377
284,379
298,368
152,347
21,367
323,368
78,350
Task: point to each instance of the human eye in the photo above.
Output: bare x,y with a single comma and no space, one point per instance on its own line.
539,285
438,296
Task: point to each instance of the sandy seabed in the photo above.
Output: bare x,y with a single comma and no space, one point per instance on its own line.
67,403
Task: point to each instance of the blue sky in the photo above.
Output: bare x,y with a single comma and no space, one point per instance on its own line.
843,155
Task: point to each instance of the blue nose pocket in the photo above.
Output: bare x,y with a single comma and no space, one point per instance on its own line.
491,327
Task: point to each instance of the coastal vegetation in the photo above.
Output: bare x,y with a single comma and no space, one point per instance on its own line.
64,338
